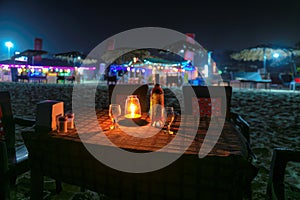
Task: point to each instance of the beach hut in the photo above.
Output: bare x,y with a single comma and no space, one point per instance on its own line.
157,66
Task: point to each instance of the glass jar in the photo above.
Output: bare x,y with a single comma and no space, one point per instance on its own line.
70,120
63,124
132,107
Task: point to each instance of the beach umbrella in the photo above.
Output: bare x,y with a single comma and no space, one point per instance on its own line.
190,51
71,54
184,45
75,56
124,55
266,53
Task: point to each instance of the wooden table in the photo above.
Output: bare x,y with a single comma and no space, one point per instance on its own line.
224,174
253,83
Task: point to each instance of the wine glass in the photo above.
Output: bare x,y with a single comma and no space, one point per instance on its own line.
114,112
169,118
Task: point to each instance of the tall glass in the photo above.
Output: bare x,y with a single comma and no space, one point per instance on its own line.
169,118
114,113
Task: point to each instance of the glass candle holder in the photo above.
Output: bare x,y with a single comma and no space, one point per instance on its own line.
132,107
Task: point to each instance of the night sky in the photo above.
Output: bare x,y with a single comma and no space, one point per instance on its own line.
82,25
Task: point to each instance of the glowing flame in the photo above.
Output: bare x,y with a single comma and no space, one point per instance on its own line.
132,109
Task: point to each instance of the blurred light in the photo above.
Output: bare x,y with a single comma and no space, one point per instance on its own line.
9,44
276,55
205,71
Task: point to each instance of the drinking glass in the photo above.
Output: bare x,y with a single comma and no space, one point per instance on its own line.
169,118
114,112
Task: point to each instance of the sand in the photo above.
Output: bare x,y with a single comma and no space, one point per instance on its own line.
274,117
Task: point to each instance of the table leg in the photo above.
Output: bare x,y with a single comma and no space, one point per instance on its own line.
37,184
4,180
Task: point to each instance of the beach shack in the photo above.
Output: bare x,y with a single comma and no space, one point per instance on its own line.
152,70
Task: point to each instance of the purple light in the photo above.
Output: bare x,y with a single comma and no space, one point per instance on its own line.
43,67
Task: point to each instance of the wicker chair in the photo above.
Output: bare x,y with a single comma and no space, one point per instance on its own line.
13,158
281,156
285,79
222,97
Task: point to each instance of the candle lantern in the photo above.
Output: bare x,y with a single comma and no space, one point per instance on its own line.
132,107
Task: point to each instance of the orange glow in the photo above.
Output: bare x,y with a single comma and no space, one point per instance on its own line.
132,109
133,112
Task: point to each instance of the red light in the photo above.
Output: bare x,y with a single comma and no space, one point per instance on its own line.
297,80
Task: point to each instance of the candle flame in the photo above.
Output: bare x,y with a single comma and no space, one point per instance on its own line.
132,109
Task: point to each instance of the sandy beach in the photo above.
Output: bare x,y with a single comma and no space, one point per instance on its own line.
274,117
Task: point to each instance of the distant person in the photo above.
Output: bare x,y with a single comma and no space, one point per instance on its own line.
125,78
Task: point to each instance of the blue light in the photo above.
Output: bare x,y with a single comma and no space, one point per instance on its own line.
276,55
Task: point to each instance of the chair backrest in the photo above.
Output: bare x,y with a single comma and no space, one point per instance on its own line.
281,156
285,78
119,93
111,80
212,100
8,125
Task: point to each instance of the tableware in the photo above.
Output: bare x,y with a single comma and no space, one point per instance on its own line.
63,124
157,107
70,120
169,119
132,107
114,113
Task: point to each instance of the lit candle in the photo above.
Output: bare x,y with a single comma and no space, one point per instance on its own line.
132,110
132,107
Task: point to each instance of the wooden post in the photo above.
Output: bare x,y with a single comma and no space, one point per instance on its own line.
4,178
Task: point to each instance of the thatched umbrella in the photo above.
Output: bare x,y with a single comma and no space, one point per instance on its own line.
264,53
198,52
69,54
124,55
185,45
72,56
